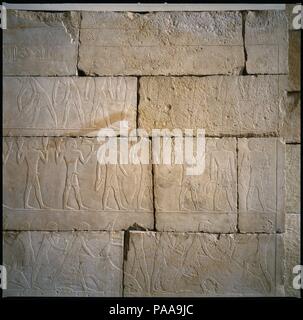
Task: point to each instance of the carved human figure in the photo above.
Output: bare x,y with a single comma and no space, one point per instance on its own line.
258,163
72,155
223,174
112,92
191,185
32,99
66,94
32,155
6,153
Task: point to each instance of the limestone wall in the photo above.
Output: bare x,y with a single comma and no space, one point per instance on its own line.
74,227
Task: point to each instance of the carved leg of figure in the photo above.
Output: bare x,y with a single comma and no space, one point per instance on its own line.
39,194
66,196
78,198
28,188
182,197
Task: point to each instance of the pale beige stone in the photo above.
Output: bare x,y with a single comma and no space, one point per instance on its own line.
290,115
293,194
176,43
58,184
63,263
266,42
218,104
206,202
292,252
195,264
261,176
294,58
40,43
68,106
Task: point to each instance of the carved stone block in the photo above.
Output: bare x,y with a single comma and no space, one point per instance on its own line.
290,114
294,56
220,105
266,42
193,264
161,43
67,106
40,43
63,263
261,174
206,202
293,194
59,184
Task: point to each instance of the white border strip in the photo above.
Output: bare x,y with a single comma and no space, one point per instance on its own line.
142,7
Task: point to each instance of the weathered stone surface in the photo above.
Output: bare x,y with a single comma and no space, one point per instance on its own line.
40,43
206,202
162,43
195,264
67,105
266,42
58,184
290,114
261,174
294,58
218,104
63,263
292,252
293,172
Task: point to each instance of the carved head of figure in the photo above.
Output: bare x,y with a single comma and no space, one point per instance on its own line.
220,144
71,144
253,145
32,144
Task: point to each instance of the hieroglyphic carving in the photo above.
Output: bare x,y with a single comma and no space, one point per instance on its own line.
64,263
219,104
62,179
40,43
67,105
195,264
261,184
185,202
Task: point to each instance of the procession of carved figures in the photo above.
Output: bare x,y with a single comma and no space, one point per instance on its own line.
63,262
70,166
69,103
216,266
30,162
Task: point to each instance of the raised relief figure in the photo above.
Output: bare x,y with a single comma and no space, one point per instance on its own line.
223,174
32,155
72,155
256,160
32,99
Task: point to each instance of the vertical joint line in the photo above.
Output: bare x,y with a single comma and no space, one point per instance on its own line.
244,13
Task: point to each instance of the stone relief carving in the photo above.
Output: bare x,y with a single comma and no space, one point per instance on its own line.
65,263
67,105
194,264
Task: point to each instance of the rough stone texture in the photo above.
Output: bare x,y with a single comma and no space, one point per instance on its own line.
266,42
292,251
206,202
67,105
220,105
195,264
294,57
162,43
63,263
290,114
261,174
58,184
293,172
40,43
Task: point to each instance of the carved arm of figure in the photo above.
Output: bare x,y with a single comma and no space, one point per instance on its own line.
6,155
58,152
85,160
20,153
44,153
